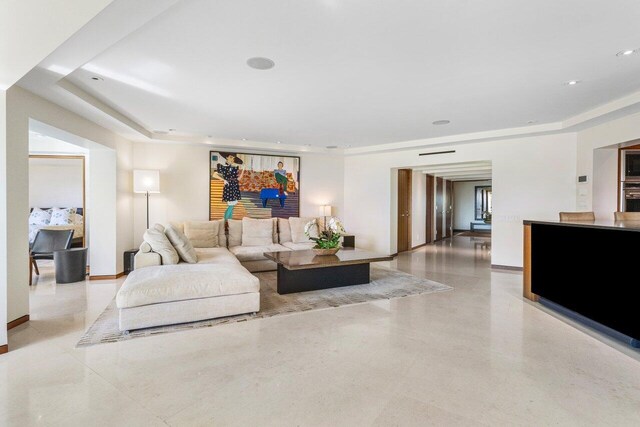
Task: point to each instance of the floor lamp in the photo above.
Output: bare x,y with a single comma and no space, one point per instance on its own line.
146,182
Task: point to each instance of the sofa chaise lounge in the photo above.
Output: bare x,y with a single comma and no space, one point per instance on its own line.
209,275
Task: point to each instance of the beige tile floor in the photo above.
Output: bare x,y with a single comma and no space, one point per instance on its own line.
478,355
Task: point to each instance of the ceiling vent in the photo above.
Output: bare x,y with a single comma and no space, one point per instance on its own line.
331,147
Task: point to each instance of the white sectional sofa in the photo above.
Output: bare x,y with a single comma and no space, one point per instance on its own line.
164,289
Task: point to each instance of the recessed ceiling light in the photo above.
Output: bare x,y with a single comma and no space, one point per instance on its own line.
441,122
532,122
277,142
627,52
172,130
244,139
259,63
97,79
572,82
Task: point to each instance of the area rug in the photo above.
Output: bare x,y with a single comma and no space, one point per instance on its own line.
385,284
486,234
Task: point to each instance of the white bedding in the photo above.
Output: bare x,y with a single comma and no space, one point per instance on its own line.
78,230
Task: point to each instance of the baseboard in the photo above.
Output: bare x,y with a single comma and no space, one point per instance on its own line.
4,349
505,267
107,277
419,246
394,255
19,321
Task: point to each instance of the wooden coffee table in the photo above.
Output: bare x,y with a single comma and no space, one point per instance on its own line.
300,271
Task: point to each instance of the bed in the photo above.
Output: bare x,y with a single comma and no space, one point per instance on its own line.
77,226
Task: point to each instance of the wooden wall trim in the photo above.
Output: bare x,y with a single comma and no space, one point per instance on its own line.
107,277
4,349
526,276
19,321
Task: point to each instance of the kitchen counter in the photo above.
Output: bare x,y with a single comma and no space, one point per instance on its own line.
586,270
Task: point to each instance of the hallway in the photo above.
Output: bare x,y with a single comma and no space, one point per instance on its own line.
476,355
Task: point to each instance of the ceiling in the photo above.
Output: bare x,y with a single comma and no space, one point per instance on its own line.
352,73
464,171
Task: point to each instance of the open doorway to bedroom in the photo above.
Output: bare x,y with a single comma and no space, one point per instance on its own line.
57,202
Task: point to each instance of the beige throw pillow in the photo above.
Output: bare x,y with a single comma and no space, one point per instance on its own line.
257,232
182,244
161,245
202,234
234,236
222,233
284,230
297,229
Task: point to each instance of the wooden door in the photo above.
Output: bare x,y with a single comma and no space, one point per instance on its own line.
449,209
439,208
404,209
430,209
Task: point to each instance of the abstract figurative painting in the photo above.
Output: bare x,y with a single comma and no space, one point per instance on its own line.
253,185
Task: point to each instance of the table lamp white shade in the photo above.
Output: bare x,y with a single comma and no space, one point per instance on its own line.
325,210
146,181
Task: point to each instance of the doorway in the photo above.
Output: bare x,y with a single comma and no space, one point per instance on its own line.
404,209
439,208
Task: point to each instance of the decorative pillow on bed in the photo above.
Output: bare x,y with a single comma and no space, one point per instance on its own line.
182,244
39,217
62,216
78,219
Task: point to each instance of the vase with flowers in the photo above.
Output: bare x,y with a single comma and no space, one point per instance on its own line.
328,240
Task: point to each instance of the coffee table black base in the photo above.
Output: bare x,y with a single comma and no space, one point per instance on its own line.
312,279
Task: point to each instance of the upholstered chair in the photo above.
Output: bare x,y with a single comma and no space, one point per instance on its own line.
577,216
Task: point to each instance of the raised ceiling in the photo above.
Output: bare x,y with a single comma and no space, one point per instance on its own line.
359,73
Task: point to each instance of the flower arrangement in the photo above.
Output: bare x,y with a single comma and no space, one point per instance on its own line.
329,238
486,216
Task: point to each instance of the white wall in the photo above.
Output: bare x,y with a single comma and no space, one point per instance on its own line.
464,194
418,208
23,108
533,178
4,202
605,182
611,135
56,183
184,184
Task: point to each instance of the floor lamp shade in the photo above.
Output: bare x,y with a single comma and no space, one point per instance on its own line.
146,181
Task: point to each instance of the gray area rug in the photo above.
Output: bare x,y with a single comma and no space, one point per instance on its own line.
385,284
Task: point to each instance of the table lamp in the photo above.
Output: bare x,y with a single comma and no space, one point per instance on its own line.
325,211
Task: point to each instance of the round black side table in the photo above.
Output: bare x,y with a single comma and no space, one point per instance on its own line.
71,265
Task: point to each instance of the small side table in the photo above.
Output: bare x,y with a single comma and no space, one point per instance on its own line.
128,260
348,241
70,265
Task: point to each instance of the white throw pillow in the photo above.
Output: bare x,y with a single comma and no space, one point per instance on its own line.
257,232
39,217
62,216
160,244
297,229
182,244
202,234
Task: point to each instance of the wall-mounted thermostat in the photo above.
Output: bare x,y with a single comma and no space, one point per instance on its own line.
582,179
